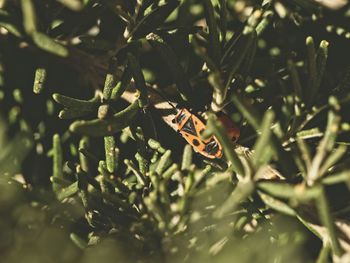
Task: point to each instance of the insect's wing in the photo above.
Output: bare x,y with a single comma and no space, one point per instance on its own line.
191,128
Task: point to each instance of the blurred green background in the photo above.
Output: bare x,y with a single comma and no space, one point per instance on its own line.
94,213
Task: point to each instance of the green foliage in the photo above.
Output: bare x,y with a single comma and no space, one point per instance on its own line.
92,171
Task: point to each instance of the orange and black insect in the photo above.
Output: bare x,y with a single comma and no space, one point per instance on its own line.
191,127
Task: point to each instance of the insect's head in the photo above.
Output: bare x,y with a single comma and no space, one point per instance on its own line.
180,115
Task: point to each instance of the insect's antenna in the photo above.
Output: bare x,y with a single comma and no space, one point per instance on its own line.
163,96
